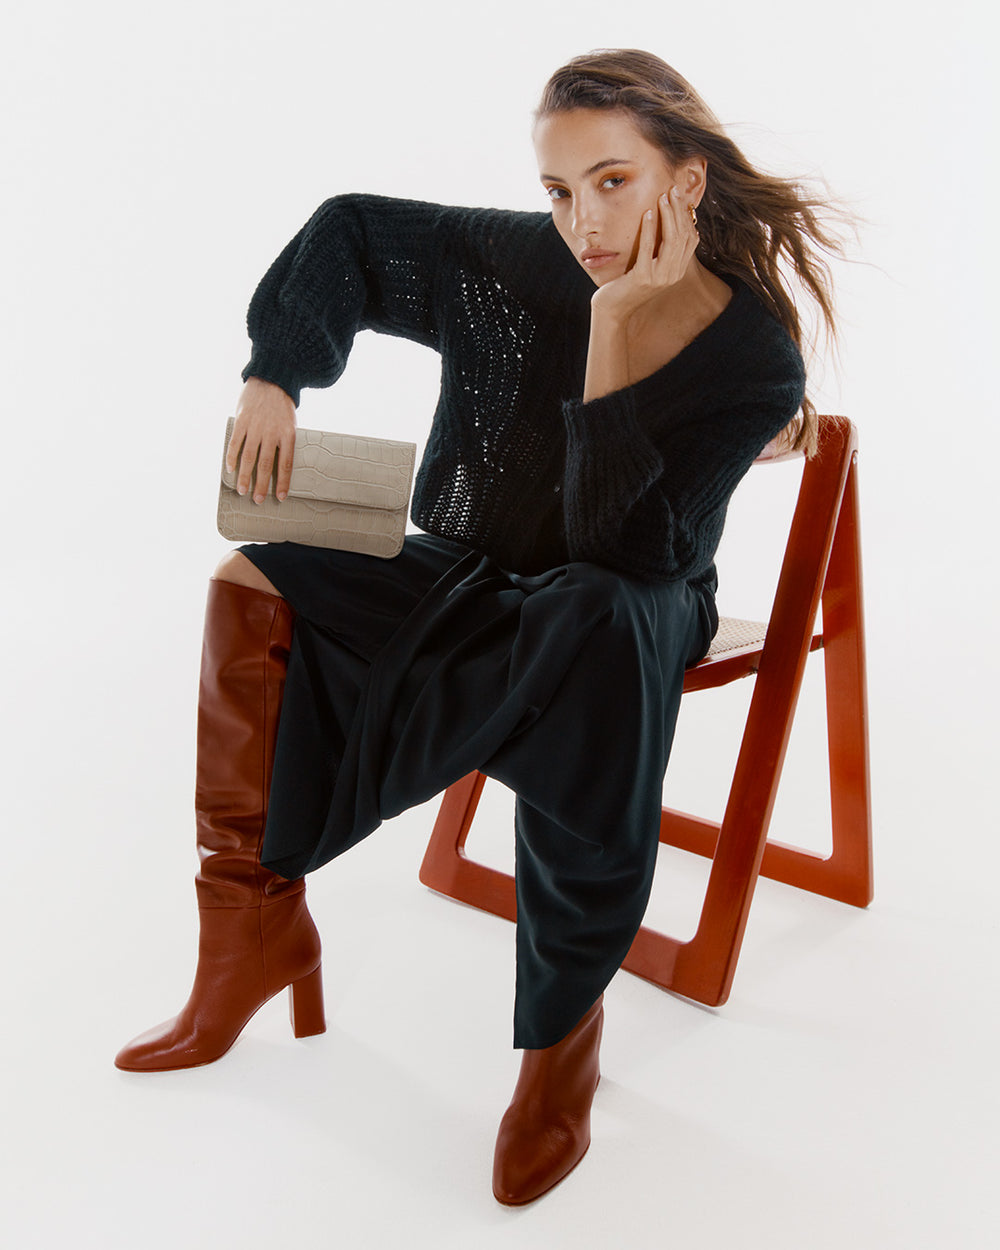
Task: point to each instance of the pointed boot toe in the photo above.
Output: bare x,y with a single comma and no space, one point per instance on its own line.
530,1160
545,1131
245,957
159,1049
256,936
190,1039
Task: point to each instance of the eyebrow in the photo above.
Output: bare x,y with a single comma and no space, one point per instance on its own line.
594,169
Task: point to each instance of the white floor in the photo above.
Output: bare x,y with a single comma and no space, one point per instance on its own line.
845,1094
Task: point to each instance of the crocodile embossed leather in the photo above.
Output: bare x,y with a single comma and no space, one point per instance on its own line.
347,491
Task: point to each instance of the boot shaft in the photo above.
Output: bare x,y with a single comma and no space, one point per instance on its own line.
248,635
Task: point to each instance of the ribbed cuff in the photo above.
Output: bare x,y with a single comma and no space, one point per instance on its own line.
609,429
270,368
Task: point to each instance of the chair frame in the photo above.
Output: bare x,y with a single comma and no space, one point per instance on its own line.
821,565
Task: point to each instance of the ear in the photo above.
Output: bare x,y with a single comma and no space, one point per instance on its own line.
692,176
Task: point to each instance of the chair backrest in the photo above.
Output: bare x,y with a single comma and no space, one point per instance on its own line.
820,519
810,542
800,582
821,561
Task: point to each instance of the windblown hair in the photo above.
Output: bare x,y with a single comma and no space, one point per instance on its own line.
752,225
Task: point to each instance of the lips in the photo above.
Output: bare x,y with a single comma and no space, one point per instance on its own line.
597,258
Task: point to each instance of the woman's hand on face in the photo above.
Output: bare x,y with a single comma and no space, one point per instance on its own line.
264,430
655,269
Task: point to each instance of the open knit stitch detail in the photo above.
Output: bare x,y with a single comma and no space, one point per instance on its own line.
516,465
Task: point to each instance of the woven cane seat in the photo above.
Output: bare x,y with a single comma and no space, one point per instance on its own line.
733,634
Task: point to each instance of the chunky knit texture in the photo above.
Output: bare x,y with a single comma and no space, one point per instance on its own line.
516,464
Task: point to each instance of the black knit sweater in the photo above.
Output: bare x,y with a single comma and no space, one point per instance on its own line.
516,465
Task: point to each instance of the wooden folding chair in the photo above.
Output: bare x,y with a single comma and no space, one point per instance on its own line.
822,563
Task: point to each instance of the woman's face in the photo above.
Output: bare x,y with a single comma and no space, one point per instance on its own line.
601,175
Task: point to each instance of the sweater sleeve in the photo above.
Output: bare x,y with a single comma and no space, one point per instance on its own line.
360,262
650,505
610,464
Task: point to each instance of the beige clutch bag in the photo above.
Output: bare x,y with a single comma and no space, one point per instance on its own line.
347,492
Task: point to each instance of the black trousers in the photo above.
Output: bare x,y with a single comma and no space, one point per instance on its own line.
406,674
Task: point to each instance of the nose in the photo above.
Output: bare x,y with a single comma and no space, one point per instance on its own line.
586,216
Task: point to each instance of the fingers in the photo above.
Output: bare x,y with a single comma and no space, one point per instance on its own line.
678,237
673,215
263,436
274,458
242,453
645,246
285,453
265,467
248,457
233,450
647,236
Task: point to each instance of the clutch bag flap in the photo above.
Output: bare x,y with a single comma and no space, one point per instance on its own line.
344,468
347,492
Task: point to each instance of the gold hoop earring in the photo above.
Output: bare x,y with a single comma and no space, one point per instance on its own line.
694,216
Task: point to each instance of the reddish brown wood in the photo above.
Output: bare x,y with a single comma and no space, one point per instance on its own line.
822,563
847,707
447,869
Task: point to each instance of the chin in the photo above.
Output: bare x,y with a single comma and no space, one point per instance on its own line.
600,277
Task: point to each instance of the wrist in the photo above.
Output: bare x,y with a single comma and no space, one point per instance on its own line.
609,314
255,383
264,391
607,357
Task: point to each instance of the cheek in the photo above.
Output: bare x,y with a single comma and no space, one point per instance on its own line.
646,196
625,210
561,221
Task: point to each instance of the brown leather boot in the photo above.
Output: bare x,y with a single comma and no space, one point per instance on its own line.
545,1131
256,935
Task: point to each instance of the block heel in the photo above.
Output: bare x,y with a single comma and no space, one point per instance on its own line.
255,932
305,1004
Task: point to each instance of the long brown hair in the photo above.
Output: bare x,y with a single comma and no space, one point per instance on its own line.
751,225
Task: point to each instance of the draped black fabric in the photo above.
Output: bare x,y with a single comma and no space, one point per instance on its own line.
406,674
539,629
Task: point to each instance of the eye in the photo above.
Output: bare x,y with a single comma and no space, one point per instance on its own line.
615,180
556,193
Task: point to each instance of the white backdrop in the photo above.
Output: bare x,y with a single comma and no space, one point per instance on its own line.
155,161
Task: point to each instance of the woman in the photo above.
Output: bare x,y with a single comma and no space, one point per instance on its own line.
572,496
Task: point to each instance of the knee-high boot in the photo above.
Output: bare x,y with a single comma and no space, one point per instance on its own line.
256,935
545,1131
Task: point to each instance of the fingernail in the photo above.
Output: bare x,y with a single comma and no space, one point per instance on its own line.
282,494
649,214
241,490
258,498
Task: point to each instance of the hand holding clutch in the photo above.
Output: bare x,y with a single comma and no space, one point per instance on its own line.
349,492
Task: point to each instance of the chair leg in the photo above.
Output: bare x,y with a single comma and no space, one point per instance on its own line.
654,956
448,870
703,967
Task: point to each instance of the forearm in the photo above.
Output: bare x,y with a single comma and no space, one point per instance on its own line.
611,461
607,355
610,465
